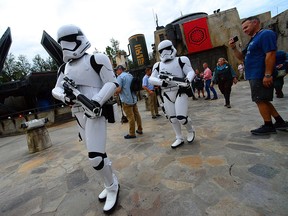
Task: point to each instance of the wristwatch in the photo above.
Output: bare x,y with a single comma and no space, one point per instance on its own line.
267,75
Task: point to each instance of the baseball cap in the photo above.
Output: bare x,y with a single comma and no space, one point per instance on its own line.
120,67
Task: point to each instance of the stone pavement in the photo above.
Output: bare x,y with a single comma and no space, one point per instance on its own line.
226,171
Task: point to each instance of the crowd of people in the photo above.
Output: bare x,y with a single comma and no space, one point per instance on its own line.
172,79
223,75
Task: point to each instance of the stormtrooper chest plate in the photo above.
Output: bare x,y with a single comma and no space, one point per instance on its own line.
171,67
82,73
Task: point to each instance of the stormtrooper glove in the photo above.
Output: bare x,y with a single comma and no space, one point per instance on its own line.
164,83
69,98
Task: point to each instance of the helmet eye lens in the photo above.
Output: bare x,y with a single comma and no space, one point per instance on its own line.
166,48
68,38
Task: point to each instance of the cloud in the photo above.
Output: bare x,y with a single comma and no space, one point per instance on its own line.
109,19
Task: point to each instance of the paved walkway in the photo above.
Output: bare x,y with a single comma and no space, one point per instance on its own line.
226,171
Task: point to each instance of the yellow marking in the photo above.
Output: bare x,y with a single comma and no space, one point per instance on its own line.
32,164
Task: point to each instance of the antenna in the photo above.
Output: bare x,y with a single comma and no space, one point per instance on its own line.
157,21
155,18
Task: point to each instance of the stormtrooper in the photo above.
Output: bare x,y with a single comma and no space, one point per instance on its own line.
175,96
94,77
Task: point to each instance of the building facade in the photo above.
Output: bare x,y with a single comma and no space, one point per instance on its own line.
204,38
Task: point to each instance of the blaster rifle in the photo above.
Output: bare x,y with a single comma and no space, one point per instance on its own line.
173,79
90,109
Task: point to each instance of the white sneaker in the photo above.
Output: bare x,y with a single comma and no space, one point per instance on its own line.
191,137
177,143
102,196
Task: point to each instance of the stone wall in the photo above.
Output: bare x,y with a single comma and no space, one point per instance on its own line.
279,24
222,26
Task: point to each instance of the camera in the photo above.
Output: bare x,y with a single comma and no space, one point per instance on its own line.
235,39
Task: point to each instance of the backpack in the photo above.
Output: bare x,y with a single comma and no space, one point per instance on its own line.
136,84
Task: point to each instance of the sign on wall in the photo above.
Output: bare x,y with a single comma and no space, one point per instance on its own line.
197,35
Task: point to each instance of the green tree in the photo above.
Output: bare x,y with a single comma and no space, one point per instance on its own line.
110,53
15,69
115,45
19,69
7,71
22,69
40,65
113,50
51,64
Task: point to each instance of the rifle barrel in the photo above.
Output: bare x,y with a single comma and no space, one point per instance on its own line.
178,79
84,100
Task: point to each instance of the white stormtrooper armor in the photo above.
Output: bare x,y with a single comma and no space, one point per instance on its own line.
166,50
73,42
97,86
175,101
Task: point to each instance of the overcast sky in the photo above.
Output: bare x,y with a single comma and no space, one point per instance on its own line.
109,19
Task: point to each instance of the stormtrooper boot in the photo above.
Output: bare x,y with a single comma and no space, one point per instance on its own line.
178,142
191,136
190,130
102,196
112,193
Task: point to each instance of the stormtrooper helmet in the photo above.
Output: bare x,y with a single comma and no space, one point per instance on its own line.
166,50
72,41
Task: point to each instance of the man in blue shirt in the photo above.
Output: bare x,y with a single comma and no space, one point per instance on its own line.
152,97
260,57
129,102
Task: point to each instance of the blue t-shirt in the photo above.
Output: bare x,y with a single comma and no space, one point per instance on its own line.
263,42
124,80
145,82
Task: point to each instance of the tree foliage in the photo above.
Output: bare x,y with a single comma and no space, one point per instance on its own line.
15,69
110,52
18,69
115,45
39,64
113,50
